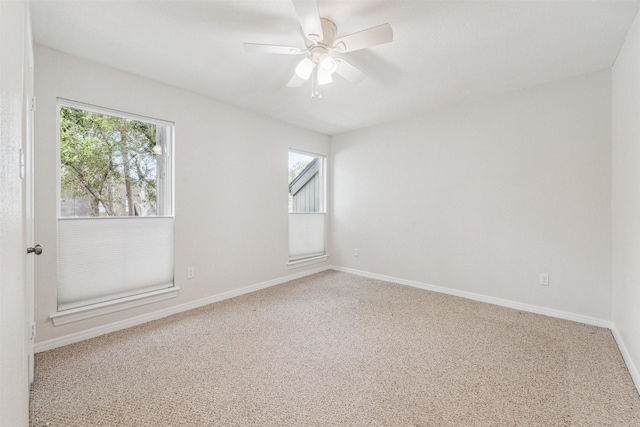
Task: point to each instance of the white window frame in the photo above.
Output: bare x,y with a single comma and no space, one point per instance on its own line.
165,201
304,260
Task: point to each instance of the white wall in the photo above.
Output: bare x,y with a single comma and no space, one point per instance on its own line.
13,332
231,183
626,197
483,197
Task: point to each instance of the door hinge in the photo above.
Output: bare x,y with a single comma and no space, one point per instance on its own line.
33,103
32,331
22,164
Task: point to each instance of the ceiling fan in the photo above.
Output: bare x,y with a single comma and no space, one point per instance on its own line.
319,62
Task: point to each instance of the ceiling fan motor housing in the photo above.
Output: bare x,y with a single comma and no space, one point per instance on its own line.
329,30
318,51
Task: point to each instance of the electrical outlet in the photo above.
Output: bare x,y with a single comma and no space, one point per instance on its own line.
190,273
356,252
544,279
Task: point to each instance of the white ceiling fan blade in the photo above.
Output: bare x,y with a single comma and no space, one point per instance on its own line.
296,81
309,16
366,38
270,48
349,72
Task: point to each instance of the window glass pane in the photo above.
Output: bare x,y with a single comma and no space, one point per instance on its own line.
306,183
111,165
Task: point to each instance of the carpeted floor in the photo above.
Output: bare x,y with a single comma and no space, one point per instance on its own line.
336,349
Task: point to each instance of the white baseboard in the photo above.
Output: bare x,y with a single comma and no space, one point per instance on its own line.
633,370
594,321
138,320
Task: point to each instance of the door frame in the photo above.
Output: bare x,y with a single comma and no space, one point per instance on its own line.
28,194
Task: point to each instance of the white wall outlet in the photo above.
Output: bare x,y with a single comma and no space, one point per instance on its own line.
190,273
356,252
544,279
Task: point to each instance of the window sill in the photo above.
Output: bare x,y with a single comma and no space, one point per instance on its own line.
307,261
93,310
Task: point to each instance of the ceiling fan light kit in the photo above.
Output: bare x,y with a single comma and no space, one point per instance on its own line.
327,63
319,65
305,68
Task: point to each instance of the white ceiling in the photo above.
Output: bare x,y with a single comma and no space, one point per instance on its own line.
443,51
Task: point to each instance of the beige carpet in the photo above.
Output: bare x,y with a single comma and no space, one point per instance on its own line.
336,349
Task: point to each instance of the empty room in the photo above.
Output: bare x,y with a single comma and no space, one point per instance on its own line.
319,212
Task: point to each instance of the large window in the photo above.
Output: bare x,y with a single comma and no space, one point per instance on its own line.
306,206
115,205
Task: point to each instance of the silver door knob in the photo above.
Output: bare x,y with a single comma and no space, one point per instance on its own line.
37,249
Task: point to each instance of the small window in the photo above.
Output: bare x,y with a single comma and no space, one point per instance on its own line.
115,201
306,205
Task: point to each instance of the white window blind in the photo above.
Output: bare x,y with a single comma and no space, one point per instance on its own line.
102,259
306,235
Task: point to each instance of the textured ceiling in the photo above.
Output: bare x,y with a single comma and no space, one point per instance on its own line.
443,51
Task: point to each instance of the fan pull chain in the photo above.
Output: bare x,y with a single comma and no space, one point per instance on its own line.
314,84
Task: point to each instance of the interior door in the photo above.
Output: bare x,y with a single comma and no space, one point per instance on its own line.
14,391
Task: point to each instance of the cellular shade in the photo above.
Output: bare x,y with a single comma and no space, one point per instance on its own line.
102,259
306,235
